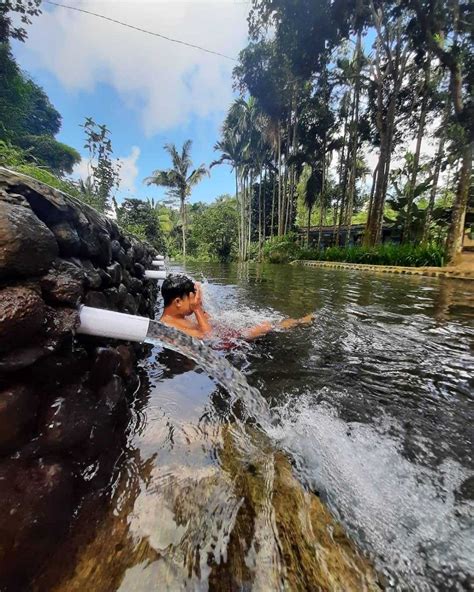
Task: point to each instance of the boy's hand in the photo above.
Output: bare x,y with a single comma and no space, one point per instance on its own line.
196,297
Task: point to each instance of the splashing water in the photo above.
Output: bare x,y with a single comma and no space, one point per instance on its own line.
407,515
222,303
235,383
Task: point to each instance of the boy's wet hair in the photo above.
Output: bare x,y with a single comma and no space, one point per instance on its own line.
176,286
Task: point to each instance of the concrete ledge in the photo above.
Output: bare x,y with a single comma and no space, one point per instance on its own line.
449,272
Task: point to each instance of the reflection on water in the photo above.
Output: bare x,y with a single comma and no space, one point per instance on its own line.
373,407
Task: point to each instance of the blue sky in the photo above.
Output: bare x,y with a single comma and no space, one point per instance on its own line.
148,91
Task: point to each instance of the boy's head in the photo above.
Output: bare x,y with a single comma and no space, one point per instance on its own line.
175,291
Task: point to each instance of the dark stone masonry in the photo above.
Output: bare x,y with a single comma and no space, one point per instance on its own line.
64,399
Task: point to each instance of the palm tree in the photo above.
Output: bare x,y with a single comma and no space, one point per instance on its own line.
311,191
231,153
244,147
177,179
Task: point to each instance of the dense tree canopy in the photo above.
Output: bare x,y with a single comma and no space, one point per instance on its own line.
329,82
29,120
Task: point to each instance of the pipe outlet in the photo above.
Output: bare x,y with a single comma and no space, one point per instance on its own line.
156,274
113,325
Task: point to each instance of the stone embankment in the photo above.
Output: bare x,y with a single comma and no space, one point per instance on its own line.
64,399
458,272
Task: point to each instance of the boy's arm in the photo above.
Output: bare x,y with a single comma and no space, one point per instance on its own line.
266,327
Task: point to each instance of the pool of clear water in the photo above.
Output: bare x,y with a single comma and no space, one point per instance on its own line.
372,405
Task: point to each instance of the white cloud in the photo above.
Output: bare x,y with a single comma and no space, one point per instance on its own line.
166,83
128,172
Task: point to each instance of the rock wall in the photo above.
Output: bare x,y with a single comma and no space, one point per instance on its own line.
64,399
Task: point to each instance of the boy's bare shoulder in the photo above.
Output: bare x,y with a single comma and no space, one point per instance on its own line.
177,322
182,325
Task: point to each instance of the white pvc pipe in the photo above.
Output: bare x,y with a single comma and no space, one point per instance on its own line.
156,274
158,263
114,325
159,258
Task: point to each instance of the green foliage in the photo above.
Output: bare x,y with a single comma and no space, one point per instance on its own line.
16,159
141,219
215,230
105,173
29,121
14,26
386,254
59,157
24,106
281,249
10,156
45,176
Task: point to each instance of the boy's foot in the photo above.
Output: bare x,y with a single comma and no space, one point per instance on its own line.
308,319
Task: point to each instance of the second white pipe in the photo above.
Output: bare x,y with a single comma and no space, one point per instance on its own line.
155,274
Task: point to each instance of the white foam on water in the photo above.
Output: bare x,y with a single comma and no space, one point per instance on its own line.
408,516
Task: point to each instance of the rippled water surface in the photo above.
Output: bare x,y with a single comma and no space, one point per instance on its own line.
371,409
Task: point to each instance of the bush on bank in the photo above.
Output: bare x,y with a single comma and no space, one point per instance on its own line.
285,249
389,254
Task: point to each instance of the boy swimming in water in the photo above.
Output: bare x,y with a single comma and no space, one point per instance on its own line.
182,298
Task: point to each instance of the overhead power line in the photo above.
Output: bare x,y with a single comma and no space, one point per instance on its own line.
112,20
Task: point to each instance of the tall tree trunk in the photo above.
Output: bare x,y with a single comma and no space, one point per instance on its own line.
279,180
249,241
372,193
456,228
322,196
308,226
321,219
242,217
237,201
392,72
434,189
264,229
416,158
354,138
284,221
272,227
260,216
292,197
183,224
343,183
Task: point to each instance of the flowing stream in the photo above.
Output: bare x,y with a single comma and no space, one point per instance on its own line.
232,449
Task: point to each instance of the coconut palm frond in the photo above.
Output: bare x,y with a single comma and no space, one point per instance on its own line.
197,175
160,178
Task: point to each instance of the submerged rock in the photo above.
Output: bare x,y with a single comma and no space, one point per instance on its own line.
18,406
112,393
36,504
68,420
127,360
106,364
